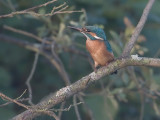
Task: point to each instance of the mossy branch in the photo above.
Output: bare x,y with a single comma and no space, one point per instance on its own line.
68,91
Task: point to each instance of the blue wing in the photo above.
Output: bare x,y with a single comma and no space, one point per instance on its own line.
108,46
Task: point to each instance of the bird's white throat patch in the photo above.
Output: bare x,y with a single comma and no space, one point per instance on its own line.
99,38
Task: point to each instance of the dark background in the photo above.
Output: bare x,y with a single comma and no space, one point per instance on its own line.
121,99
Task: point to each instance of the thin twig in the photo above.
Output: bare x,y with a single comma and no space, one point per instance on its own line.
30,78
60,69
32,73
139,27
42,5
57,62
68,12
19,100
105,96
67,80
61,107
132,74
76,108
26,11
37,48
50,113
21,94
31,12
66,109
86,107
25,33
157,53
58,7
141,89
11,6
13,100
61,66
142,107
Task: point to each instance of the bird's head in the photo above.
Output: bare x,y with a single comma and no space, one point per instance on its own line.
91,32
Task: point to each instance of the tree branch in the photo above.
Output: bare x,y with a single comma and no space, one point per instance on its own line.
36,47
50,113
76,107
129,46
55,10
13,100
26,34
30,78
27,10
83,83
52,46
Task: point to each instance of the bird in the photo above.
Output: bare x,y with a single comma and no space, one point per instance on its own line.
97,45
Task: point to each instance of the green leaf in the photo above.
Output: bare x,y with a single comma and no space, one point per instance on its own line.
103,107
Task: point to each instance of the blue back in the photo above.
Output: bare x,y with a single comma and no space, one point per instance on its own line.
100,33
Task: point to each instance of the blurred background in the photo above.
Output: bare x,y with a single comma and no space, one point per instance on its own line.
132,94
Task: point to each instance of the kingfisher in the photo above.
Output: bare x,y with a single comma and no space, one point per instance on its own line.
97,45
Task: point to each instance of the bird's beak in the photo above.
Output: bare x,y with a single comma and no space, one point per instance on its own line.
76,28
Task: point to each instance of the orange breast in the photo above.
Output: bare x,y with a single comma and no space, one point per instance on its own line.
99,52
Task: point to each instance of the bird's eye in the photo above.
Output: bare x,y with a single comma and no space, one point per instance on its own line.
85,30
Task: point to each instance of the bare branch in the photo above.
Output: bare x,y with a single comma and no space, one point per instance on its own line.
42,5
67,80
13,100
139,27
19,100
31,12
50,113
60,69
37,48
61,107
133,75
86,107
21,95
55,56
76,107
66,109
83,83
26,34
142,107
11,6
28,45
141,88
26,11
30,78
